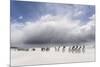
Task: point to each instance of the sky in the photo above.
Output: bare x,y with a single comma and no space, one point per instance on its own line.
41,22
32,11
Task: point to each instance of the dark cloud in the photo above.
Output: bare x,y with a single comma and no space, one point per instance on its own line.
53,30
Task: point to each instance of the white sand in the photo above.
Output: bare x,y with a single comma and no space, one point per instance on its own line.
39,57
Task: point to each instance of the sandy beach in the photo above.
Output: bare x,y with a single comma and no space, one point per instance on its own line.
51,56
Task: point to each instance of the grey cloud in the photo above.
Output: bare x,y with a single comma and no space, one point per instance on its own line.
53,29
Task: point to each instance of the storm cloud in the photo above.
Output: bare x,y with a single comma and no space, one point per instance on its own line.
53,29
